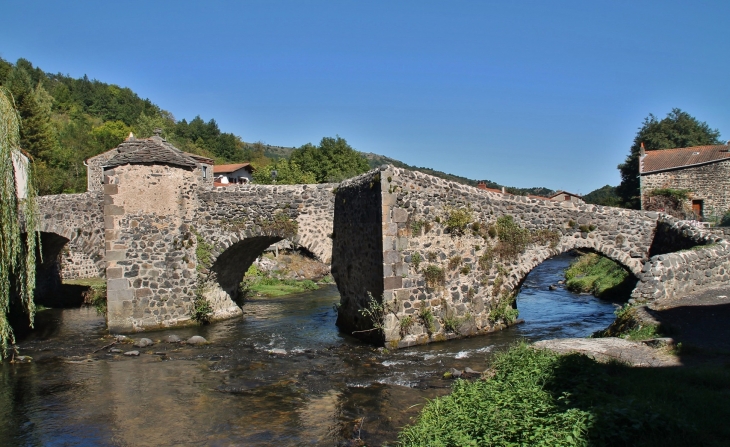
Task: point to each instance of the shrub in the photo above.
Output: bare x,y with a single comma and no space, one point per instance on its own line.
405,325
416,260
427,318
201,309
465,270
280,225
725,220
432,256
513,239
435,276
458,220
416,227
504,310
454,262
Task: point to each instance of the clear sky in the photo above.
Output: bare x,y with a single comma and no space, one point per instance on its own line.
524,93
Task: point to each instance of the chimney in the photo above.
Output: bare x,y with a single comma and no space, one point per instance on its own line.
642,151
481,185
504,191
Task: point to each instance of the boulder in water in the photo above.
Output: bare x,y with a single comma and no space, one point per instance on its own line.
172,339
197,340
143,343
131,353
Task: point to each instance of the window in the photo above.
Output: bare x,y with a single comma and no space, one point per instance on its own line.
205,172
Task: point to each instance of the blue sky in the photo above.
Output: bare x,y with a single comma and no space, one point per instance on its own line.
524,93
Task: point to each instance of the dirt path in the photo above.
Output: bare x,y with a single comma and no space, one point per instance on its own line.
698,327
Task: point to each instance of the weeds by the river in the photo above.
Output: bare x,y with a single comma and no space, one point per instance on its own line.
540,398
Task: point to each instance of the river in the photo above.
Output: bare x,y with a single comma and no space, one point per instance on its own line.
282,375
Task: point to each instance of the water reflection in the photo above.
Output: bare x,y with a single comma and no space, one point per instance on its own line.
282,375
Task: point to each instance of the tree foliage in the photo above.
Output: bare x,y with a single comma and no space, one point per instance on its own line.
605,196
67,120
288,172
17,215
332,161
678,129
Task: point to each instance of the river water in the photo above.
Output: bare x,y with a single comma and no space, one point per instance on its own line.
281,376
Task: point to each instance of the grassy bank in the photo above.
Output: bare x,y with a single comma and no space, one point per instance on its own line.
592,273
257,282
536,397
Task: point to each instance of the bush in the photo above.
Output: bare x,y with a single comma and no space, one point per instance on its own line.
458,220
435,276
426,317
416,260
454,262
725,220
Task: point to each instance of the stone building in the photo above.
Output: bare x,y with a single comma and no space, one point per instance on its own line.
562,196
95,165
704,171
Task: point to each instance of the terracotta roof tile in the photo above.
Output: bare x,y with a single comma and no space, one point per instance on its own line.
222,169
664,159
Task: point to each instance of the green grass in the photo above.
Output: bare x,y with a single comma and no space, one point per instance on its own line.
628,326
272,287
539,398
596,274
90,282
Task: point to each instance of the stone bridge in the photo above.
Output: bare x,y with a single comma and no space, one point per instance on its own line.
443,260
431,253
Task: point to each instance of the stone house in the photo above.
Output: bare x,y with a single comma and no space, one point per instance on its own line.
238,173
704,171
95,165
564,196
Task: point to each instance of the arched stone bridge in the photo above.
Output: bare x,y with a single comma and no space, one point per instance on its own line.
162,235
392,239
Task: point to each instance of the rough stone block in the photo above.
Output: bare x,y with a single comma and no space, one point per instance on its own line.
113,210
393,282
117,284
391,257
116,255
114,273
400,215
111,189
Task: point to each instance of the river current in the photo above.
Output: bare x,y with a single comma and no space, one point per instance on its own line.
280,376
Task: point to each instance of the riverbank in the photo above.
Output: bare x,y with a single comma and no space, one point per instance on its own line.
590,391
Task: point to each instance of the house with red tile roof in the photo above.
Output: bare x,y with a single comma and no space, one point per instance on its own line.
237,173
704,171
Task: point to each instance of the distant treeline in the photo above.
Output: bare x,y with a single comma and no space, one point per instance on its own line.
66,121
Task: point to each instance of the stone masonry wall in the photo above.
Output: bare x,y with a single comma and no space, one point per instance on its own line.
239,222
150,248
415,208
709,183
78,218
357,254
705,265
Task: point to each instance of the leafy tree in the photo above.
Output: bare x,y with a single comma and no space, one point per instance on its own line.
332,161
678,129
17,253
605,196
288,172
110,134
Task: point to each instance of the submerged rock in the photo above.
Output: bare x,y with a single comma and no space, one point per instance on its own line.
143,342
22,359
277,351
197,340
131,353
115,351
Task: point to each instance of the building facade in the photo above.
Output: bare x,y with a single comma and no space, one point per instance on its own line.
702,171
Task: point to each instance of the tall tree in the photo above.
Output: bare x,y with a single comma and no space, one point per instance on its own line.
678,129
332,161
18,214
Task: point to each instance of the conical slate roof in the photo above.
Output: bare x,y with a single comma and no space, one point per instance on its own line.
150,150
